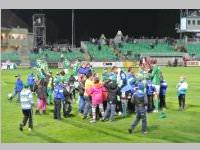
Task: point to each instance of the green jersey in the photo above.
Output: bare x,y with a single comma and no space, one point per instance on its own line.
66,64
77,65
44,66
156,75
38,63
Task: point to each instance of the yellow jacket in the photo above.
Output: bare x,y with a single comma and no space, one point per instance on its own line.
88,84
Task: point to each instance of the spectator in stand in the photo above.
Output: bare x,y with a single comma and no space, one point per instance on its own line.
8,64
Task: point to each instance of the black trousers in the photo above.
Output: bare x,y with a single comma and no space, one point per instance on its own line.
31,88
162,101
118,106
57,108
8,67
67,107
131,106
27,117
181,99
150,103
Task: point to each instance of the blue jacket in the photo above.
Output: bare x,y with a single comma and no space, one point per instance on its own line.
31,79
58,92
84,70
182,87
149,87
18,85
131,79
163,87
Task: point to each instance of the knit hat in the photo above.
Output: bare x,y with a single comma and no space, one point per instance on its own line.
26,85
141,86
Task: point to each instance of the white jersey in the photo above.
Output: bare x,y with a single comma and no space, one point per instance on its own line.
26,99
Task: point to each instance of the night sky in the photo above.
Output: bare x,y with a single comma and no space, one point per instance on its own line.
92,23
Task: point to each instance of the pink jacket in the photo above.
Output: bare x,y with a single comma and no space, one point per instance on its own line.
96,91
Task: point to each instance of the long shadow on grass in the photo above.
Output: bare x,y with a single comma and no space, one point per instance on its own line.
93,128
45,137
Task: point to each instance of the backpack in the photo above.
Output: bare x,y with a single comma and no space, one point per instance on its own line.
105,94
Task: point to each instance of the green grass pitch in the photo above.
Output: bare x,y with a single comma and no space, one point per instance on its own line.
178,127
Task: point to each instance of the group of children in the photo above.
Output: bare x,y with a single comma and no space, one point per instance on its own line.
99,96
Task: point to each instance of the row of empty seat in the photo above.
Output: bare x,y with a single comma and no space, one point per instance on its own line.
105,53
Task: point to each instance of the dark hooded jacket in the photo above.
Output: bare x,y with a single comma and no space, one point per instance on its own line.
113,91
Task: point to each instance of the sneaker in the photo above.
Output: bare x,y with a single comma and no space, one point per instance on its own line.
44,112
130,131
67,116
155,111
144,132
92,121
21,127
180,109
37,112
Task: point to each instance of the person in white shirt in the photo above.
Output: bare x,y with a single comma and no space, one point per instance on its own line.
27,104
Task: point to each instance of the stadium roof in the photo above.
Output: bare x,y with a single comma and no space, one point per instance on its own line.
10,20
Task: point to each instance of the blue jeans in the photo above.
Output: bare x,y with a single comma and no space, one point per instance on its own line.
140,114
81,103
18,96
88,106
110,108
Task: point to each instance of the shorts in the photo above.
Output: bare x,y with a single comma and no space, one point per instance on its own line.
125,95
157,89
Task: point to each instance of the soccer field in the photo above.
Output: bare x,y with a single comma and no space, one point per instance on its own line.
177,127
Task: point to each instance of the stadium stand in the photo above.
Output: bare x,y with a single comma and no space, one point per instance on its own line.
55,56
103,54
11,57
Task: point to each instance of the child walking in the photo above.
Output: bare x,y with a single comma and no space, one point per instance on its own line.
140,100
181,92
27,104
18,89
96,91
41,91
